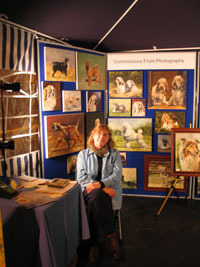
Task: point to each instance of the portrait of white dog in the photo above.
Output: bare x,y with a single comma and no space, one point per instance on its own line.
49,97
178,92
130,135
138,108
71,100
159,92
93,100
92,103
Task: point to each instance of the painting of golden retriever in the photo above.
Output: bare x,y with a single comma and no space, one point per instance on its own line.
126,84
166,120
64,134
186,151
91,71
167,90
60,64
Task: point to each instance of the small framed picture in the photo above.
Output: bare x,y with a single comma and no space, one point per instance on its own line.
93,101
185,151
119,107
129,180
139,107
71,101
164,143
166,120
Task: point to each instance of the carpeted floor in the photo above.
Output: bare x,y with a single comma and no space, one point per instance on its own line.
170,239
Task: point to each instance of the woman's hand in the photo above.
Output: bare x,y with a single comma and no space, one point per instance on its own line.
92,186
110,191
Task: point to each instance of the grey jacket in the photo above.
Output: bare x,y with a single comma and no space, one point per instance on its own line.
87,169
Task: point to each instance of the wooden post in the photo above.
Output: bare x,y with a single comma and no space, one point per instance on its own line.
2,250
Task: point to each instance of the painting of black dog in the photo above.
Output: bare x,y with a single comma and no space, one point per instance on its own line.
60,66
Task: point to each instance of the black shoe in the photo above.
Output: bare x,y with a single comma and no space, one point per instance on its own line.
93,254
114,245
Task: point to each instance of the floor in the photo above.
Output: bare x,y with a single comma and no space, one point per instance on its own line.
171,238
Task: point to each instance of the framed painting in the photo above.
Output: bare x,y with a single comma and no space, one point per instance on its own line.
119,107
126,84
167,89
51,99
185,151
60,64
129,178
157,174
139,107
91,71
71,100
64,134
166,120
134,134
93,101
164,143
71,164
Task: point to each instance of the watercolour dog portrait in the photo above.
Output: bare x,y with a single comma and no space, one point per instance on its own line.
186,151
60,64
167,90
64,134
124,84
133,134
91,71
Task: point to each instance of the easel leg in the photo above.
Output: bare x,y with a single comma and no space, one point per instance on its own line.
168,195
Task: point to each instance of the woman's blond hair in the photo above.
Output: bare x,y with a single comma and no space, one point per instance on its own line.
98,129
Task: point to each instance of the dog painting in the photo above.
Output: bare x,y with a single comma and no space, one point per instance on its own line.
71,164
164,143
157,175
64,134
91,70
93,101
133,134
119,107
165,121
167,90
59,64
186,151
129,178
138,107
51,96
125,84
71,100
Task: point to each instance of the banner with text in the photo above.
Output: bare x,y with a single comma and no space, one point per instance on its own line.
151,60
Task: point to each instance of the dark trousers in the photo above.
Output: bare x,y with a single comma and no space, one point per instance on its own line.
100,213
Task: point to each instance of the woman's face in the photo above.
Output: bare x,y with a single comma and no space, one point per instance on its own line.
101,139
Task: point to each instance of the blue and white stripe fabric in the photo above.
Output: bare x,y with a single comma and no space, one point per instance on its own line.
27,164
17,49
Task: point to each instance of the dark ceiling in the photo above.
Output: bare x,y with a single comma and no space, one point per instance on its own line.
161,23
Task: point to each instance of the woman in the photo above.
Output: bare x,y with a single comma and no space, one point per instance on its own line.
99,172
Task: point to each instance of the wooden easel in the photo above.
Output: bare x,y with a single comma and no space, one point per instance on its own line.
168,195
2,251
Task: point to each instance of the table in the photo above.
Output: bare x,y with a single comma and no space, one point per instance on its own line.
47,235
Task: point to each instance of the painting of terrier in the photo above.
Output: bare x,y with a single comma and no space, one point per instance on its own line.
91,71
64,134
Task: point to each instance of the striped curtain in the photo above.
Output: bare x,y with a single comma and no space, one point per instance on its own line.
16,49
27,164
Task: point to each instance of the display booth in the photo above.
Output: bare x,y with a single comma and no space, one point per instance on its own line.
142,96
